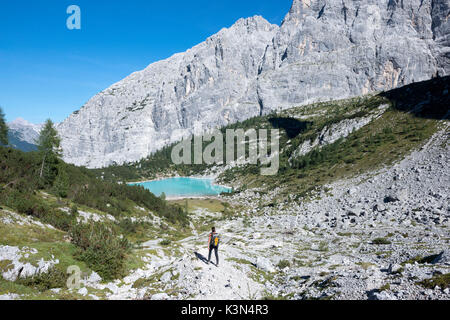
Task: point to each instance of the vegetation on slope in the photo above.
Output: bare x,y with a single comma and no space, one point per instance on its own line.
20,183
39,184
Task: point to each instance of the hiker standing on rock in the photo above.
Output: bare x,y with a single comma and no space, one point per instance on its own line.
213,244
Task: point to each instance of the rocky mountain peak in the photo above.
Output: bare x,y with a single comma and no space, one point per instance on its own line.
255,22
298,9
324,49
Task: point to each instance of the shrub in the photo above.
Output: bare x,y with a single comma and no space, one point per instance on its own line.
103,250
29,204
54,278
74,210
16,200
58,219
129,227
381,241
440,280
61,184
165,242
283,264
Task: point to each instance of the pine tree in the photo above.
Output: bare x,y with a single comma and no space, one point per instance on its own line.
49,146
61,184
3,129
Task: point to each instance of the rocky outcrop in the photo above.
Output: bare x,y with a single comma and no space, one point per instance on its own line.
15,267
337,131
324,49
335,49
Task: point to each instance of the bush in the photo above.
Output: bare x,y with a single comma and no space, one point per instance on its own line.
103,250
129,227
58,219
74,210
54,278
381,241
440,280
61,184
16,200
283,264
165,242
31,205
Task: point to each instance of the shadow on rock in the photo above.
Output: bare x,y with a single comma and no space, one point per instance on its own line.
201,257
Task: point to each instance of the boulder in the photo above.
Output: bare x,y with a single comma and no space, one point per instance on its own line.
264,264
383,295
396,195
166,277
394,268
83,291
379,207
94,278
160,296
443,258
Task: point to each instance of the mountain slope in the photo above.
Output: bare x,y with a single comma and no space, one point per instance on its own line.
323,50
16,141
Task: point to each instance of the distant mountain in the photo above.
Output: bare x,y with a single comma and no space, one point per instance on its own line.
23,135
324,49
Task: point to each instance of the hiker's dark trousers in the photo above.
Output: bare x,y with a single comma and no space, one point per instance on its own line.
216,252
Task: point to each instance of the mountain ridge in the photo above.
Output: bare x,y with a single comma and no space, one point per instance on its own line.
23,134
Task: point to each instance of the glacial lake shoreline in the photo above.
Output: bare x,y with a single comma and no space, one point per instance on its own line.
176,188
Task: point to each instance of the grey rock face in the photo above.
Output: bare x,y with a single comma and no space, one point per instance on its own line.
209,85
335,49
323,50
441,32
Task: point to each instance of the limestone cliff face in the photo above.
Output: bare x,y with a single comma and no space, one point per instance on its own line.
336,49
209,85
324,49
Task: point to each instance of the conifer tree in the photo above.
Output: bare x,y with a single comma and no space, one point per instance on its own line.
49,146
3,129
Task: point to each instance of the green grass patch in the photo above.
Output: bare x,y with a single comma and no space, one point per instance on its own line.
442,281
381,241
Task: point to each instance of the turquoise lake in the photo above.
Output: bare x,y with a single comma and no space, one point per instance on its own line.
184,187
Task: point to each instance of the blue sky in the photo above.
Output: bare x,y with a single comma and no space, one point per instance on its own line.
48,71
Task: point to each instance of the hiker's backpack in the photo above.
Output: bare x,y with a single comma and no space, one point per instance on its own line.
215,239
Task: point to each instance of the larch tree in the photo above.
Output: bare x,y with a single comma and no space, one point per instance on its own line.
49,146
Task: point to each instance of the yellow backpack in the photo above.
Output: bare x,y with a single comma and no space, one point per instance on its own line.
215,239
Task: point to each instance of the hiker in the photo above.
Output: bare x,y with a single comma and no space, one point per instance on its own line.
213,244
